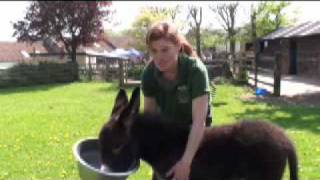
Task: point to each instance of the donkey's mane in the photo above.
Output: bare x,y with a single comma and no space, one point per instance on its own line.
156,119
156,124
158,136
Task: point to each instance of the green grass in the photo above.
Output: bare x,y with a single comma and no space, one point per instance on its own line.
39,125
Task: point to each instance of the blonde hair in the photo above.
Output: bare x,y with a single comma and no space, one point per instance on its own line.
169,32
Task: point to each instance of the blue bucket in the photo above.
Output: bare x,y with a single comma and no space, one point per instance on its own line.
261,92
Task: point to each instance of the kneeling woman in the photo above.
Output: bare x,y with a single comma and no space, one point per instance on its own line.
175,83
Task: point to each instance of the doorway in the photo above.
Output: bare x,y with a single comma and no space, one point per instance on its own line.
293,57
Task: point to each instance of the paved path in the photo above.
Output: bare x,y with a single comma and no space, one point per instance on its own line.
290,84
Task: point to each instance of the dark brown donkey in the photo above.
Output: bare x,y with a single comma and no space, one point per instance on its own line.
248,150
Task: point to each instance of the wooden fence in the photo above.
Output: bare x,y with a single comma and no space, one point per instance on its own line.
126,72
260,65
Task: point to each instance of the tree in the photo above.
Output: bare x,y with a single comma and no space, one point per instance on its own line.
265,18
253,21
212,38
270,16
196,14
74,23
147,17
227,16
173,12
170,13
248,32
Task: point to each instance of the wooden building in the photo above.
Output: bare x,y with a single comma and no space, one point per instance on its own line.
299,47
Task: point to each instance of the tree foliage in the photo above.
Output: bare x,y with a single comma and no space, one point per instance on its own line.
267,17
147,17
212,38
72,22
271,16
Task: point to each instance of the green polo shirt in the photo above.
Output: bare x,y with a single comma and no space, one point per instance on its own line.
174,98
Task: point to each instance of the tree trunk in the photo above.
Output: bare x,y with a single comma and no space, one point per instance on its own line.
74,61
255,47
232,59
197,12
198,41
232,46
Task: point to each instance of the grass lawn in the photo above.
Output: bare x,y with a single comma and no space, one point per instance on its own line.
39,125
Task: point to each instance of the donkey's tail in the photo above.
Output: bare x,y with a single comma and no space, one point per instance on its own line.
293,163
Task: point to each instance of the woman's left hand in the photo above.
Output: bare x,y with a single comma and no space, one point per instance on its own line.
180,171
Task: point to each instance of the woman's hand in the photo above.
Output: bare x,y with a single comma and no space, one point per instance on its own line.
180,171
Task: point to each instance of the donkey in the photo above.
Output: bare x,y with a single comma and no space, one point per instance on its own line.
247,150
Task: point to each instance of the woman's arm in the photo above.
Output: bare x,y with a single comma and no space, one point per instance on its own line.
150,104
199,113
181,170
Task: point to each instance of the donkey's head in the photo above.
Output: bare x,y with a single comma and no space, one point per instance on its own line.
117,148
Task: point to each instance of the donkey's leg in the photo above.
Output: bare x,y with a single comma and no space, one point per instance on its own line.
275,173
269,171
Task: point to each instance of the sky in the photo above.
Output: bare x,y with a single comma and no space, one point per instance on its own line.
12,11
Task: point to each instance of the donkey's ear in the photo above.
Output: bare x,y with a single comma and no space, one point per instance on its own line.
121,101
127,116
134,103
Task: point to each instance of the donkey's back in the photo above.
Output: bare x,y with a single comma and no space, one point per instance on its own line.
252,150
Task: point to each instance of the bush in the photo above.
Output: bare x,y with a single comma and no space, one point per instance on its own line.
25,74
134,72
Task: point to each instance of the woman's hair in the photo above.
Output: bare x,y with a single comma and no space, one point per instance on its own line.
169,32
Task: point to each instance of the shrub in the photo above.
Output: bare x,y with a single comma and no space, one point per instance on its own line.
25,74
135,72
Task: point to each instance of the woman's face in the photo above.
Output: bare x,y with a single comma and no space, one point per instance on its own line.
164,54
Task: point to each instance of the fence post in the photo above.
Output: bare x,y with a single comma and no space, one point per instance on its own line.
256,61
90,70
121,77
277,75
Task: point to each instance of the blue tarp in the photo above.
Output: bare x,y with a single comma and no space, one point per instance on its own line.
131,54
127,54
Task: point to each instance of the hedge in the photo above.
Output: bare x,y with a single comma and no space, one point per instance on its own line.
44,72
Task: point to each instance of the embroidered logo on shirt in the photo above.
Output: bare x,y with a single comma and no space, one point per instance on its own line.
183,94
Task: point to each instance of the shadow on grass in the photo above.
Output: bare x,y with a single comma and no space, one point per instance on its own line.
34,88
288,117
218,104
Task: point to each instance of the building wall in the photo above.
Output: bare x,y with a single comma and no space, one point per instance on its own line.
268,54
309,56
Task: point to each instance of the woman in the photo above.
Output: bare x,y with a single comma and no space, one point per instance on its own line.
176,84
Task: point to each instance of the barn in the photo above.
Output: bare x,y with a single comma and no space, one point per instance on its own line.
299,47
